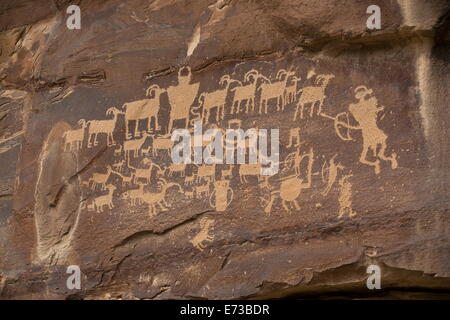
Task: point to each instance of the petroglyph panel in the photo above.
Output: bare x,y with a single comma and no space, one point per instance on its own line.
87,149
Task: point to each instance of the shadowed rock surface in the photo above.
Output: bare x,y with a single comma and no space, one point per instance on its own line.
86,177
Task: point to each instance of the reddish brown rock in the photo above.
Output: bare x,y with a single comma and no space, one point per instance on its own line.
364,148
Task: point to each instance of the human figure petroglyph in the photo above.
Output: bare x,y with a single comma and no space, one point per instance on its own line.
365,112
181,97
222,195
245,92
145,109
291,187
290,93
154,199
345,197
214,99
106,200
330,173
294,134
103,126
74,138
198,241
313,95
274,90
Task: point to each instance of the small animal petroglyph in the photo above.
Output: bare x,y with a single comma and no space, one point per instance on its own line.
290,93
202,190
203,236
161,144
100,179
206,172
158,198
105,200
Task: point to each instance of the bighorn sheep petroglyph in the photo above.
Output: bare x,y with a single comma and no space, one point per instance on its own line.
75,136
245,92
215,99
274,90
144,109
103,126
313,95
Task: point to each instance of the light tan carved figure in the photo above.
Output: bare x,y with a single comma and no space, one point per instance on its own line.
135,196
203,235
245,92
215,99
181,97
119,165
222,195
100,179
365,112
227,173
158,198
246,170
134,146
330,173
161,144
290,93
76,136
294,134
105,200
145,173
176,168
206,172
275,90
144,109
126,180
291,187
345,197
202,190
189,180
313,95
103,126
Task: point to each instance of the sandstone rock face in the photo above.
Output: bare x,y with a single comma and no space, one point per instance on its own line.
87,179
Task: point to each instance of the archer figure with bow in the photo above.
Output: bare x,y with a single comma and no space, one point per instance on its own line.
365,112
